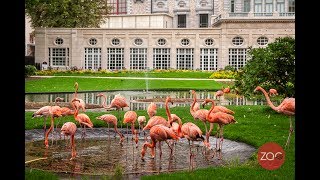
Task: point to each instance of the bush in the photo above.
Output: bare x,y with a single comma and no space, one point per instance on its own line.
270,67
29,70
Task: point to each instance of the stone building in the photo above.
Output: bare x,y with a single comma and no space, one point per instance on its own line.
163,34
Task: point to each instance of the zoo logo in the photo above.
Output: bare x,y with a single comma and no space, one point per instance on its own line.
271,156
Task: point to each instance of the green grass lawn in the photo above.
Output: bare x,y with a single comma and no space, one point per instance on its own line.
66,84
256,125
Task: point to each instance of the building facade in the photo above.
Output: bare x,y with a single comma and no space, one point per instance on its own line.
169,34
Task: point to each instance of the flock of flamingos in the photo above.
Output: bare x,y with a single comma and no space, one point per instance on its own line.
169,129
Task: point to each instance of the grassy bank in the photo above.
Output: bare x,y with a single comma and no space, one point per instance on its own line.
66,84
256,126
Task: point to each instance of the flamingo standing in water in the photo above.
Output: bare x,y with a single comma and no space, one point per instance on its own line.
118,102
154,120
54,111
158,133
273,92
42,112
69,129
80,104
131,117
141,120
111,119
65,111
82,118
152,109
221,119
286,107
200,114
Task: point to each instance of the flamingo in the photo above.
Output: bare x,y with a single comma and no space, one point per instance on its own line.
193,133
287,107
65,111
154,120
118,102
141,121
152,109
273,92
54,111
111,119
69,129
220,118
158,133
226,90
82,118
200,114
131,117
219,93
80,104
42,112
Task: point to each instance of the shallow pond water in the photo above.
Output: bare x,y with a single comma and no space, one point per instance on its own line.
99,153
139,100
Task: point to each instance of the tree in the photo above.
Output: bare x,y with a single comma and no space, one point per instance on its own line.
66,13
269,67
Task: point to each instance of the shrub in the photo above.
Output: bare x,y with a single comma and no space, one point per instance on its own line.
29,70
223,74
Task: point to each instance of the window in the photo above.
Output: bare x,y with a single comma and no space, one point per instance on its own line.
203,20
246,5
58,56
92,41
237,41
58,41
161,42
115,41
209,42
115,58
160,5
185,58
292,6
185,42
118,6
208,59
92,58
182,21
269,6
280,5
161,58
138,58
257,5
237,57
262,41
232,6
138,41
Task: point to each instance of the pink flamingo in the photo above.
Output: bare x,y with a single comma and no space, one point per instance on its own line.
69,129
65,111
158,133
83,119
152,109
273,92
220,118
111,119
219,93
118,102
286,107
80,104
42,112
226,90
131,117
141,120
54,111
154,120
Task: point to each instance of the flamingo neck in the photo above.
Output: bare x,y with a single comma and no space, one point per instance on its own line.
104,101
211,109
168,111
268,98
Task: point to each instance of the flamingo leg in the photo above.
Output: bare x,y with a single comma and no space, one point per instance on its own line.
45,125
108,131
190,156
127,133
160,153
290,132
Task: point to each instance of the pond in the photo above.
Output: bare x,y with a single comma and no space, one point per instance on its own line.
100,152
139,100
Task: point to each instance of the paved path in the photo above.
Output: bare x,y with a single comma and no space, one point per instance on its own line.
187,79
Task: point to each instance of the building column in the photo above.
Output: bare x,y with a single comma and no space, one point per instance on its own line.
126,52
173,58
103,52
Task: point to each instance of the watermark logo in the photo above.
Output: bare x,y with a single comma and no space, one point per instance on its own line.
271,156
